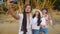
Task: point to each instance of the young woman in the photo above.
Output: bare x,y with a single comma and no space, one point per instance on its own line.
45,21
36,21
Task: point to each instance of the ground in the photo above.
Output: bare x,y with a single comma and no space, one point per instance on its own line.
8,25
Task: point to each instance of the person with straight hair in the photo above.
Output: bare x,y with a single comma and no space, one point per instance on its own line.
36,21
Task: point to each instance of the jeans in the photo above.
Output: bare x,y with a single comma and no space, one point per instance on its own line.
44,30
34,31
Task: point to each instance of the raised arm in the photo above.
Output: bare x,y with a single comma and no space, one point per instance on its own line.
10,10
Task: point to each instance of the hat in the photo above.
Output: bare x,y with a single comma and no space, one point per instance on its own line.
34,10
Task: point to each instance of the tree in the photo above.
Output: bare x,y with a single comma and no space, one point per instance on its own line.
57,5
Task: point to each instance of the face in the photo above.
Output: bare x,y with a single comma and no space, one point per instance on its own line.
37,13
44,11
28,9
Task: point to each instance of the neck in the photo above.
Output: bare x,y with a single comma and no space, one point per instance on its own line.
28,14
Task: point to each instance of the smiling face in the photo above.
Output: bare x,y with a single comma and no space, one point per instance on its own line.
28,9
44,11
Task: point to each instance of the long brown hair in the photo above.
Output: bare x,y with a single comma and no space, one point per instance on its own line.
39,19
24,22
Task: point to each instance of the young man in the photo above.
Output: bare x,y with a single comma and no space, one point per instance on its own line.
25,18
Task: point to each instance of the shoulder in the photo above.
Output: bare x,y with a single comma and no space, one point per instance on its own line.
20,14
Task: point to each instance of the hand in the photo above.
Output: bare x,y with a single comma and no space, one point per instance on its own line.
8,3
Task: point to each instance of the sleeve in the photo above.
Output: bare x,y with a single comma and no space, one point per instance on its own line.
20,15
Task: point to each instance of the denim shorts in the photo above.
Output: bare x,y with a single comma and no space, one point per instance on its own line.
44,30
34,31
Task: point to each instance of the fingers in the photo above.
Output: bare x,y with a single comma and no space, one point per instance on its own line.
8,2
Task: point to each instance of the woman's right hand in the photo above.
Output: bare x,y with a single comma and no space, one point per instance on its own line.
9,4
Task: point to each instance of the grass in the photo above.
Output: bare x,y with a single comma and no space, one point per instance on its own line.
8,25
9,28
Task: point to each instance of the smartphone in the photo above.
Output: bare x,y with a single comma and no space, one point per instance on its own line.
14,2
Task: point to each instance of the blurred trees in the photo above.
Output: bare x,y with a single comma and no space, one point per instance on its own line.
57,4
49,4
3,7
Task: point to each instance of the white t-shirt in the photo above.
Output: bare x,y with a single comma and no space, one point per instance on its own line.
34,24
43,23
28,25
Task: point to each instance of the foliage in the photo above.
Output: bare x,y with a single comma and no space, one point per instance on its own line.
50,4
57,4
